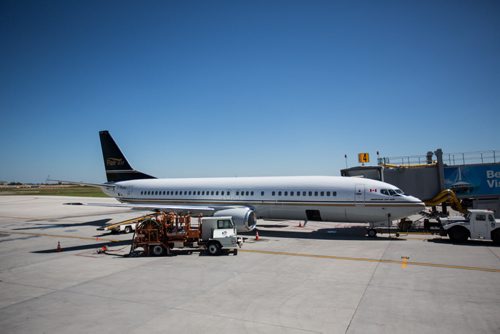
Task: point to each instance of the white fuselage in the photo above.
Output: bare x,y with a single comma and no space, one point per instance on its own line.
326,198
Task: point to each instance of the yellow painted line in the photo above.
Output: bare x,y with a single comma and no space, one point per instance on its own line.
363,259
59,236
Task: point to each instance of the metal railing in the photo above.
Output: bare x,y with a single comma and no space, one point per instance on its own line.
471,158
404,160
450,159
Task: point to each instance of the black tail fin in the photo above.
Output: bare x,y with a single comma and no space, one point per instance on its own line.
117,167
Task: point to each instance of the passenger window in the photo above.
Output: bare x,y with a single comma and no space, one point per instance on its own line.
212,193
217,193
328,193
334,193
261,193
286,193
273,193
491,218
251,193
310,193
322,193
246,193
481,217
315,193
279,193
303,193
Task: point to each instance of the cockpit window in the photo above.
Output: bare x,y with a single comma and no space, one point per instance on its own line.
391,192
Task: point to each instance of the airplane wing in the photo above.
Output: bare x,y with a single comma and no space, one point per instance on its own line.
152,206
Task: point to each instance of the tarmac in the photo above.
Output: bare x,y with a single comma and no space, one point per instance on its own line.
321,278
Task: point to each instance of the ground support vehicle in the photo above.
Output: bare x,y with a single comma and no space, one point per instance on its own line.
127,226
476,224
168,233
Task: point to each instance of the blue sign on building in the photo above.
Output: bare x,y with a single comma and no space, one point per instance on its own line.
473,180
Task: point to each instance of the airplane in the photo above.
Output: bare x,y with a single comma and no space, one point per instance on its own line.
246,199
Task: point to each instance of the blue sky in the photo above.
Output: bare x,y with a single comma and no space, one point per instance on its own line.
243,88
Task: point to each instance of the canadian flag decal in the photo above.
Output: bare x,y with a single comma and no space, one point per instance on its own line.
373,190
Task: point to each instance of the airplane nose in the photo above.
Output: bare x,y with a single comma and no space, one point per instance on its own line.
416,201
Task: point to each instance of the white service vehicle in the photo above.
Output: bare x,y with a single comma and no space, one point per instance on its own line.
477,224
126,226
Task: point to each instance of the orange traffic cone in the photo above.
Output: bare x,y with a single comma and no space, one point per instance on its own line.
59,247
257,235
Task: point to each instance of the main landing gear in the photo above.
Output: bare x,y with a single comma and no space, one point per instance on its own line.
372,233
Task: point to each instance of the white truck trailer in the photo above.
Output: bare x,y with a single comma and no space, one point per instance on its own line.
476,224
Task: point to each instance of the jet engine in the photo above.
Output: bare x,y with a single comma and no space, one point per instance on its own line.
244,219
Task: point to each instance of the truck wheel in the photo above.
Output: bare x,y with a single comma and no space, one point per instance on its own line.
157,250
372,233
235,252
213,248
495,236
128,229
458,234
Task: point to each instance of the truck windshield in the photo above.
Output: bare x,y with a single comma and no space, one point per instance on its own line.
224,223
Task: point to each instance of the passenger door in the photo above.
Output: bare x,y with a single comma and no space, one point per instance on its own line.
359,195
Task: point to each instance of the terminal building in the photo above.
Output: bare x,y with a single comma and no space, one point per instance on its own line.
473,177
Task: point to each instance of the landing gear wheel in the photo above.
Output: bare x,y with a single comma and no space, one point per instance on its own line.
157,250
213,248
128,229
372,233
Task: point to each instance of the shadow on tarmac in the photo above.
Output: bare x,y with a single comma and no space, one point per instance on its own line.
473,243
353,233
83,247
97,223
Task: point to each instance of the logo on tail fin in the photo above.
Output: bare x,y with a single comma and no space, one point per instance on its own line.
113,162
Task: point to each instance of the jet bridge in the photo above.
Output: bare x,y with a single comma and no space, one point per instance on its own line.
473,177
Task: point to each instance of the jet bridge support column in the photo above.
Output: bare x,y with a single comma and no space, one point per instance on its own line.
440,167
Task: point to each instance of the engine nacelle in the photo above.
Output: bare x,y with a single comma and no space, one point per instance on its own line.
244,219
